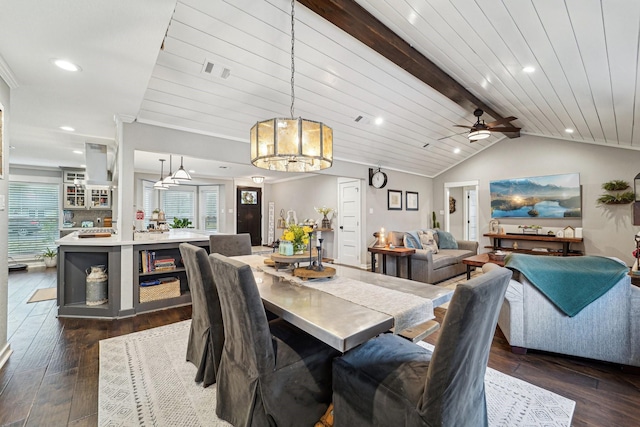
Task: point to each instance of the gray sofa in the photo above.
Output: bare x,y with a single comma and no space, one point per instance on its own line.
608,329
428,267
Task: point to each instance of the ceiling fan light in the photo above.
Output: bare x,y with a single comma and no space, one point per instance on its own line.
479,134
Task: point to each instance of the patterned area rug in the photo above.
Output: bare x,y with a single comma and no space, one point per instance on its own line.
145,381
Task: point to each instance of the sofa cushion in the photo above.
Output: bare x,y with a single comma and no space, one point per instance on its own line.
435,234
448,257
446,240
411,240
427,241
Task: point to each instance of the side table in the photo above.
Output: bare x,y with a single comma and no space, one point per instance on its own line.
478,261
395,252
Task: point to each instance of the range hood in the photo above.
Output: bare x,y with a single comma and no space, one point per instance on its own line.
97,175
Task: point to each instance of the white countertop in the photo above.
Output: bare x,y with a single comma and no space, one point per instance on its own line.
138,239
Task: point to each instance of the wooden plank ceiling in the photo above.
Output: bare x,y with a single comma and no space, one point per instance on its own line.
584,52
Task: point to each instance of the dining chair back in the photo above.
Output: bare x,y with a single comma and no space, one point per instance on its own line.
206,336
391,381
271,373
230,244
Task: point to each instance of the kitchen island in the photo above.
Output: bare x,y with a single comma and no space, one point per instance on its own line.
128,263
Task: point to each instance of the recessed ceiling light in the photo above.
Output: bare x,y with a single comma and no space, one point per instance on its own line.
528,69
77,151
379,120
83,166
568,130
66,65
192,171
456,150
67,128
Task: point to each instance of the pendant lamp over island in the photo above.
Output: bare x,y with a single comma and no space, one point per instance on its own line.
291,145
160,185
181,174
169,180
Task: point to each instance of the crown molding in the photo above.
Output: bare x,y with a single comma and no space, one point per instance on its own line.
7,75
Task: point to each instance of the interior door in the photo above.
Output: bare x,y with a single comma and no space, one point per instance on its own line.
249,213
349,222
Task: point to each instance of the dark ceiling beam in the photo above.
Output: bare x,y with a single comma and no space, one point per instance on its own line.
356,21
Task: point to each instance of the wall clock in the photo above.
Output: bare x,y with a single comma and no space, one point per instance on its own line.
377,178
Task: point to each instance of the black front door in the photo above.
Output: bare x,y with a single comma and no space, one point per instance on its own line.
248,211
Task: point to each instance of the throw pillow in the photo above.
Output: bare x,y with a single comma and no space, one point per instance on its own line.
446,240
411,240
428,241
435,234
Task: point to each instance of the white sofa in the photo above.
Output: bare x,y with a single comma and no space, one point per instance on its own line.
608,329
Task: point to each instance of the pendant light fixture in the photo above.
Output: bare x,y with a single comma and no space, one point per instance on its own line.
181,174
169,181
291,145
160,185
258,179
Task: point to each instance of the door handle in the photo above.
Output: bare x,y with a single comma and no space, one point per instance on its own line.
341,228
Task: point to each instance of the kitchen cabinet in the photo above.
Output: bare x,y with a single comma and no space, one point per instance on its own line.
71,175
84,198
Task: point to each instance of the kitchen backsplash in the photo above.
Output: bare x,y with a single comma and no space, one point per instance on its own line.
77,216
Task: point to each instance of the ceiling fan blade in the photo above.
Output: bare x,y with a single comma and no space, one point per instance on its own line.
504,129
473,140
464,126
504,121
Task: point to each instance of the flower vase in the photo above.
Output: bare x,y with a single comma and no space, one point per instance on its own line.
325,222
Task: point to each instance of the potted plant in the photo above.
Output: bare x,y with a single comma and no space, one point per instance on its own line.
50,257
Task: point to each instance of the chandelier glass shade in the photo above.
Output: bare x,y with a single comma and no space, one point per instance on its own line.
479,134
258,179
291,145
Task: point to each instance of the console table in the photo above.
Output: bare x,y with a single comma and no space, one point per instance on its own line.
565,241
395,252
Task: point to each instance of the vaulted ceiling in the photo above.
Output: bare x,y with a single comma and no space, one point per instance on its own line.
585,54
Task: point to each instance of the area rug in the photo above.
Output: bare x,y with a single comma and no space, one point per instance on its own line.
43,295
145,381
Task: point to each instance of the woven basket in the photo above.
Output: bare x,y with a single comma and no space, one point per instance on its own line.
497,257
169,288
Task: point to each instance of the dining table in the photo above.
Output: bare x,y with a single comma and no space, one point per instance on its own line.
349,308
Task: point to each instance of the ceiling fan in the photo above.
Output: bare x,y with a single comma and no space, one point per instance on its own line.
482,130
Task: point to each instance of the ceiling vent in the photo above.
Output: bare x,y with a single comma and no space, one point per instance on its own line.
362,120
216,69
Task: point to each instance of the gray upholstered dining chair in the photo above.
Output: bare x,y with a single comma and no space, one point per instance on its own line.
206,336
391,381
230,244
271,373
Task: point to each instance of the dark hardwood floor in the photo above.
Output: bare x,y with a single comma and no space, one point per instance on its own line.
51,378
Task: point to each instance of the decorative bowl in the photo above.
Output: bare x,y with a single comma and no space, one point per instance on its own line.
497,257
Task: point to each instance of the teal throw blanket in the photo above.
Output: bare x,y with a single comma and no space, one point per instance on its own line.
571,283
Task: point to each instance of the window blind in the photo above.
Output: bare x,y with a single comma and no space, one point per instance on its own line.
209,203
148,201
179,202
33,218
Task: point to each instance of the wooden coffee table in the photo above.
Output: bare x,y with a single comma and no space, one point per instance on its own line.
478,261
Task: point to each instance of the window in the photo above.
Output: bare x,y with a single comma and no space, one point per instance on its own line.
209,207
148,201
179,202
34,209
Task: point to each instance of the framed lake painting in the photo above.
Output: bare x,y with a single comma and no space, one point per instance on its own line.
551,196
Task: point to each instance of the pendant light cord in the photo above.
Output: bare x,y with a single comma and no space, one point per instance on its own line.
293,67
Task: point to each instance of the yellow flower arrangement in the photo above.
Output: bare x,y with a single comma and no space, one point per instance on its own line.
298,235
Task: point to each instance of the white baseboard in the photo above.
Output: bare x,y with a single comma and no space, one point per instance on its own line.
4,354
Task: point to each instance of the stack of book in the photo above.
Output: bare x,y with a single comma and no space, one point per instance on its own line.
150,263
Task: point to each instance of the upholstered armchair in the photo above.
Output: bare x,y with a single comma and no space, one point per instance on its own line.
206,336
271,373
389,381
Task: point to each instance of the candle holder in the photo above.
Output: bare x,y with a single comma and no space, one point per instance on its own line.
310,266
319,267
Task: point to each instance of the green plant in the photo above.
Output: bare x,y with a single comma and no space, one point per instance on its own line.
48,253
435,222
181,223
616,199
615,185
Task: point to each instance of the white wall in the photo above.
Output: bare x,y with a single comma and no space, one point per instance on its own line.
5,349
607,231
